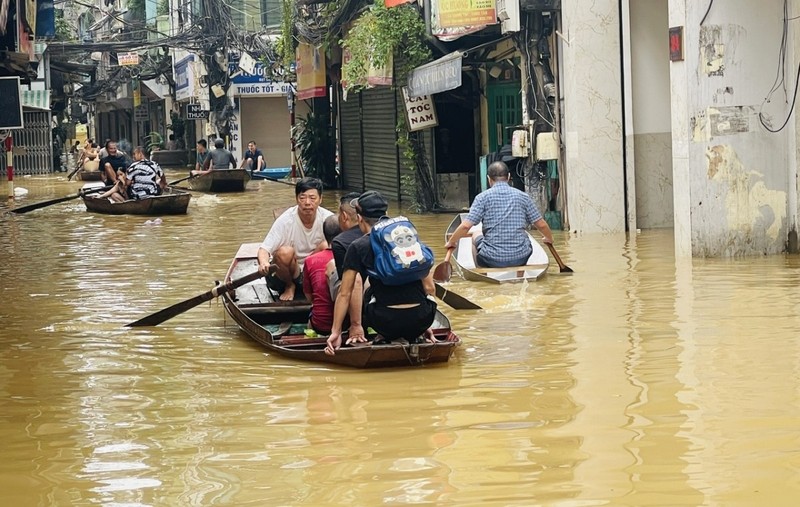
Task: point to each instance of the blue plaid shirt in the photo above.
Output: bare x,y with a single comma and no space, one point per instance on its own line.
505,213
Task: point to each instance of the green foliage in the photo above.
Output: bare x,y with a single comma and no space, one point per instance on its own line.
381,32
316,143
286,43
64,31
162,8
178,125
137,9
153,140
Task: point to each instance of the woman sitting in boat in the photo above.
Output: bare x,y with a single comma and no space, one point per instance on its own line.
144,178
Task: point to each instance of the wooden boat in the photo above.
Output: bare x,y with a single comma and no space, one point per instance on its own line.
221,180
464,257
83,175
272,173
280,326
172,202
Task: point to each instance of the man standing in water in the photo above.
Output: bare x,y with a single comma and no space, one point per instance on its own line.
295,235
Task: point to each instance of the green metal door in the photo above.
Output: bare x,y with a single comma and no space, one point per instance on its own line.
505,110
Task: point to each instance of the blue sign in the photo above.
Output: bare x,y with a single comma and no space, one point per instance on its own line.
241,77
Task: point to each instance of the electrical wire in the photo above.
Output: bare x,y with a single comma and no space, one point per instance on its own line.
710,3
780,78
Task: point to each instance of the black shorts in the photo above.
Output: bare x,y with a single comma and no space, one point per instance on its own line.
393,323
277,285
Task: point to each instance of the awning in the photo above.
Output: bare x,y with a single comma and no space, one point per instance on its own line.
151,89
36,99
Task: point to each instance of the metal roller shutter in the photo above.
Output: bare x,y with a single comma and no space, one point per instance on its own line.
381,171
351,164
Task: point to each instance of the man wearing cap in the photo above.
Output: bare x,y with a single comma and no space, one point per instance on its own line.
396,311
296,234
506,213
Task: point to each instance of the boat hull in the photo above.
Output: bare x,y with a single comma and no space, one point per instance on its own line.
464,258
172,202
272,173
221,180
266,320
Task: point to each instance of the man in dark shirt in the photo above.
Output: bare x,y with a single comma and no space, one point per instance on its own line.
396,311
253,159
348,223
113,161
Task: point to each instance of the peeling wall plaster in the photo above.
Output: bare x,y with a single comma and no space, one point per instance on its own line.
749,204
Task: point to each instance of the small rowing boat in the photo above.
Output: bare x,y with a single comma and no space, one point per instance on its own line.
172,202
221,180
84,175
280,326
272,173
464,256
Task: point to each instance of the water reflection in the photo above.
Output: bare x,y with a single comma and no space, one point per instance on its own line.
639,380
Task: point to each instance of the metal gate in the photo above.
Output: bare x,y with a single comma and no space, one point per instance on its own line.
379,128
36,141
352,165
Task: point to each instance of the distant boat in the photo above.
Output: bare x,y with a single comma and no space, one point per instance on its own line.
272,173
221,180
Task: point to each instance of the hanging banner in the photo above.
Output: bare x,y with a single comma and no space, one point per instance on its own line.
311,79
395,3
137,93
462,13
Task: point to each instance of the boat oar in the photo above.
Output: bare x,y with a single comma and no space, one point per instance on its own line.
177,309
69,177
37,205
454,300
562,268
444,271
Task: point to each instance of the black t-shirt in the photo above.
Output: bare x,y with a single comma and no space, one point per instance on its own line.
361,258
339,246
118,162
253,155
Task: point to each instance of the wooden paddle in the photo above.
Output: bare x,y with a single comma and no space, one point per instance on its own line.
37,205
177,309
444,270
454,300
562,268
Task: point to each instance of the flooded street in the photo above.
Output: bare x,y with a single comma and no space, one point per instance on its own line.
637,381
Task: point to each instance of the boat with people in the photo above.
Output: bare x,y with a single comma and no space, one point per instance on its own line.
464,257
282,326
272,173
172,201
220,180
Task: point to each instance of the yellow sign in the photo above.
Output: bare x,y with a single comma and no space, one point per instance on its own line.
311,79
459,13
137,93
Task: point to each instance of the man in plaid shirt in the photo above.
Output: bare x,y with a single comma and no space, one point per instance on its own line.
505,213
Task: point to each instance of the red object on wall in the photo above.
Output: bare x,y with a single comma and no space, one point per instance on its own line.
676,44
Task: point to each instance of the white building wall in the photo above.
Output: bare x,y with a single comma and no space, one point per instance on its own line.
731,176
649,133
592,126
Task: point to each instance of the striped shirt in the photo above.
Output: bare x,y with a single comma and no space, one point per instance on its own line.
144,176
505,213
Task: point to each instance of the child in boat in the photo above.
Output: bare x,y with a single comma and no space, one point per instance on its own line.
319,273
